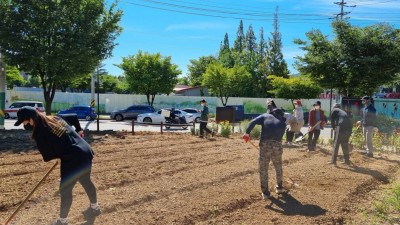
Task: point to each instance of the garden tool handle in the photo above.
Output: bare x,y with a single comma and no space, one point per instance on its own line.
254,145
31,193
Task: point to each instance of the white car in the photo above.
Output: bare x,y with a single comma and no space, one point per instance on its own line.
157,117
11,111
196,113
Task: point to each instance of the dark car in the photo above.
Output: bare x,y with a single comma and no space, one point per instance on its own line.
82,111
131,112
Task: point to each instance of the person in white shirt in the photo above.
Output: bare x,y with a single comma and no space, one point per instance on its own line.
296,123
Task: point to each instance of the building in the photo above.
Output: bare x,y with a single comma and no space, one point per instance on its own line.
185,90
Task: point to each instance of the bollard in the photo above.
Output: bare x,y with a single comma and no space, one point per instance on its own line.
161,127
133,127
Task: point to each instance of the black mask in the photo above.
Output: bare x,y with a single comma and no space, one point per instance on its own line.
28,127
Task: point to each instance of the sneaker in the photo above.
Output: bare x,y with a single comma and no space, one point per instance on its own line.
91,213
332,163
279,189
370,155
58,222
347,162
289,144
266,195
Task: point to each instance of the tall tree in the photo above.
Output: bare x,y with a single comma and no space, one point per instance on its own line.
294,87
356,61
13,77
250,40
240,39
196,70
57,40
277,64
225,53
262,46
150,74
225,44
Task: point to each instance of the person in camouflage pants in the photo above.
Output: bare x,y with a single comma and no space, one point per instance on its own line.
273,127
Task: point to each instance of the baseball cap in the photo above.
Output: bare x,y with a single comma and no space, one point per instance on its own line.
203,100
317,103
366,97
25,113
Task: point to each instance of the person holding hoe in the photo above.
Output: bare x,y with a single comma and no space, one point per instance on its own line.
272,130
56,139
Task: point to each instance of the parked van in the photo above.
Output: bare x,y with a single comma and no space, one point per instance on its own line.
11,111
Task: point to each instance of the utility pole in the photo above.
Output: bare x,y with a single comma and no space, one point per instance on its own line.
2,91
342,13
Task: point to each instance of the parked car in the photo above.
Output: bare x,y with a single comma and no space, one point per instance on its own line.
195,112
11,111
157,117
131,112
82,111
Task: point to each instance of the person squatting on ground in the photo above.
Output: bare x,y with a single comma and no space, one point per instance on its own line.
368,123
272,130
315,115
204,119
295,124
342,125
55,139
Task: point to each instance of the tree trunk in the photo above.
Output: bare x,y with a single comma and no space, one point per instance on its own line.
48,94
152,99
148,99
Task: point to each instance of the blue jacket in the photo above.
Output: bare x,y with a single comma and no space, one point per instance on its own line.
272,128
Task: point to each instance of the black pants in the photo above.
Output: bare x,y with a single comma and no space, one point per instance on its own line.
203,126
342,136
313,138
70,175
290,135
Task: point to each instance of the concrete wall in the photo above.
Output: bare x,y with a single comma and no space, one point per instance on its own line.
110,102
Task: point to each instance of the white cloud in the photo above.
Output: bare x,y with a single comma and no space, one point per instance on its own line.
196,26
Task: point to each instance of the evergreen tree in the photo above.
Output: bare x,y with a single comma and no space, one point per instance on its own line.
225,54
240,39
250,40
225,44
262,46
277,64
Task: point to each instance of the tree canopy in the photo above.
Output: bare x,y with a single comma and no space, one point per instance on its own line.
13,77
57,41
356,61
150,74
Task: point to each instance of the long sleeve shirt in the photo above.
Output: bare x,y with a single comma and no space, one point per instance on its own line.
272,128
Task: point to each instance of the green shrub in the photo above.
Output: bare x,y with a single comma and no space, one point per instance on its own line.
254,134
226,129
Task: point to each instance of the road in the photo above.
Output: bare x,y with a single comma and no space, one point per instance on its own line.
127,125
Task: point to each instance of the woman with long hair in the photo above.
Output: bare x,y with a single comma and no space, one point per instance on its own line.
56,139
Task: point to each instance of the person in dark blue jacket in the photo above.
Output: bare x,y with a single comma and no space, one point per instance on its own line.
273,127
368,122
56,139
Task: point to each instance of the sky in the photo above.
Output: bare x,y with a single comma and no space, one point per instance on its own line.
189,29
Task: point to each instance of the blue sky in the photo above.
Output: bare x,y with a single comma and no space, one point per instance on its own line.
188,29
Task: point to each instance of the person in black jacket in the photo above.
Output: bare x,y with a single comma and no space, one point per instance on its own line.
342,125
72,120
55,139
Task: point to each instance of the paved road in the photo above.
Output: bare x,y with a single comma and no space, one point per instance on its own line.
127,125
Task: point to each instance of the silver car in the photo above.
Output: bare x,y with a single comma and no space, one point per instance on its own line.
195,112
131,112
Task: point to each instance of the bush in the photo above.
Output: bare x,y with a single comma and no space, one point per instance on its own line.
226,129
254,134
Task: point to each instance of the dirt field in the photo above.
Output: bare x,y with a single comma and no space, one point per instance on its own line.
180,179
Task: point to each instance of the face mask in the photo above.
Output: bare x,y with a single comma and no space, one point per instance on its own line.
28,127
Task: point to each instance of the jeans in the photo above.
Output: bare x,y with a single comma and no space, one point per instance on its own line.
368,134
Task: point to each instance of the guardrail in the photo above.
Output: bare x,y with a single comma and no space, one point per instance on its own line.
161,125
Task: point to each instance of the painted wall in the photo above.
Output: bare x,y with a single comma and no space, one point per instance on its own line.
388,107
110,102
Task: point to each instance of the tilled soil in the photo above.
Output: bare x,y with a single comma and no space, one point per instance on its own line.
150,178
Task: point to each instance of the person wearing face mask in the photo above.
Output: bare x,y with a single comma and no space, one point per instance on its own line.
273,127
296,124
368,123
56,139
204,119
314,116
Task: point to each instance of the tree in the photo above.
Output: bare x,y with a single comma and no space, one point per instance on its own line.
276,63
183,80
225,82
150,74
262,46
240,39
13,77
356,61
57,40
225,54
294,87
196,70
32,82
250,40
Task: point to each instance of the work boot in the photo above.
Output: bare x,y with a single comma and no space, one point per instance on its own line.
91,213
58,222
